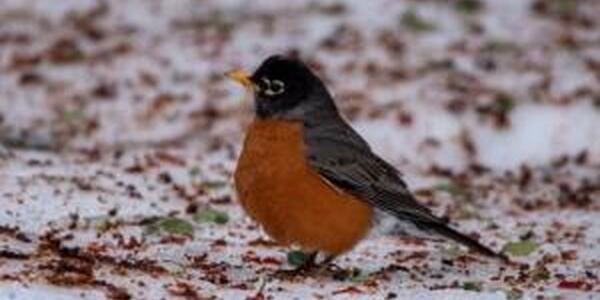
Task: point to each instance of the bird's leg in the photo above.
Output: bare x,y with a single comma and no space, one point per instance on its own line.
309,264
305,268
325,263
337,272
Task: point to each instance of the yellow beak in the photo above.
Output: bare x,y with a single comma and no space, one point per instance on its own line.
242,77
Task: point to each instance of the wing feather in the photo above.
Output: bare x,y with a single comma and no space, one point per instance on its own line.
345,160
342,157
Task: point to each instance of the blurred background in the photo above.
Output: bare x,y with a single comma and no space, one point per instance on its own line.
453,83
113,112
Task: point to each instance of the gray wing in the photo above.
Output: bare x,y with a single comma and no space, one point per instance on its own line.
343,158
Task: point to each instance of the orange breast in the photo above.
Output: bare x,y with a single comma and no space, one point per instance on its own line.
294,205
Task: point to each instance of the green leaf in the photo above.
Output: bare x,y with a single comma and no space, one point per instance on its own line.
503,103
500,46
151,229
103,225
170,226
413,21
562,8
513,294
213,185
523,248
468,6
357,276
211,216
297,258
540,273
194,171
472,286
451,188
452,251
73,116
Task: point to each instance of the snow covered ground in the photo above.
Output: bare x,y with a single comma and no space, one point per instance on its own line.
118,136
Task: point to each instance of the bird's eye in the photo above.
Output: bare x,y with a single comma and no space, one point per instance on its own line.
273,87
278,86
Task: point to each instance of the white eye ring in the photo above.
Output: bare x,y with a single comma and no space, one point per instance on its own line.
266,81
274,87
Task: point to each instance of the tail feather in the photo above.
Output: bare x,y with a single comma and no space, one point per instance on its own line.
452,234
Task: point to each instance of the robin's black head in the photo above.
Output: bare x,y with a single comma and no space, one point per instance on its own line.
285,88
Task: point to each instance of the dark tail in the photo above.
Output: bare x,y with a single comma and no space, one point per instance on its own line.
454,235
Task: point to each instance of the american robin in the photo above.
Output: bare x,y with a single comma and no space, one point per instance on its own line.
308,178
